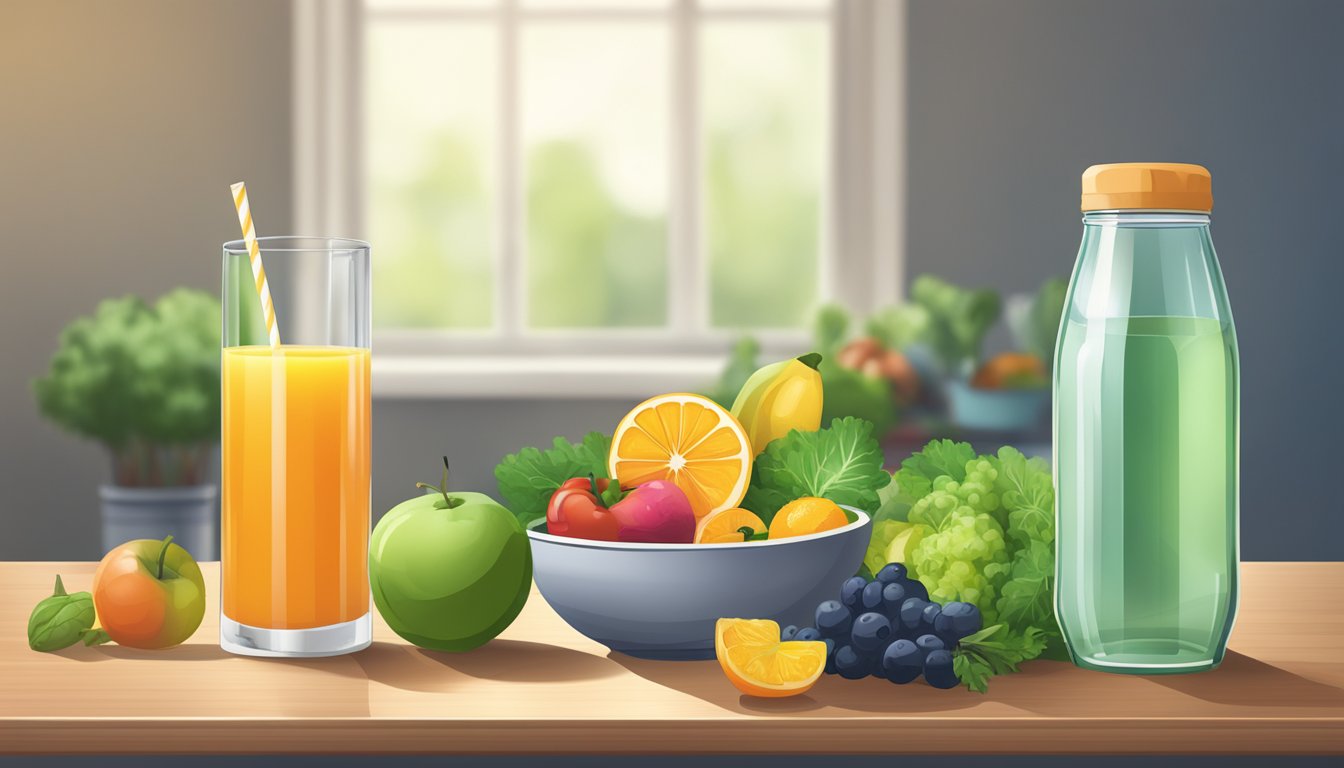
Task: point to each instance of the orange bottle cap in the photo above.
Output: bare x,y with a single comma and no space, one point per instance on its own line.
1151,186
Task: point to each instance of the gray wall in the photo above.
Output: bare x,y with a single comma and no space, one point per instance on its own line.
124,123
1009,102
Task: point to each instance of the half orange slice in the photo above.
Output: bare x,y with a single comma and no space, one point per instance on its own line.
688,440
758,664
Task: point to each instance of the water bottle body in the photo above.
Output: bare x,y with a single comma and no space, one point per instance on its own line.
1146,443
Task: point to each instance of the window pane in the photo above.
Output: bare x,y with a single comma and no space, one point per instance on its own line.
595,126
430,101
764,114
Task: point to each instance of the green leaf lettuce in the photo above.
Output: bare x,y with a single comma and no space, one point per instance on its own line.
842,462
529,477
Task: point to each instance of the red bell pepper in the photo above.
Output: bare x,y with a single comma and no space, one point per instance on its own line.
580,508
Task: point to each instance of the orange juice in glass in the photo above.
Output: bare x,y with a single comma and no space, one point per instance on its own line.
295,451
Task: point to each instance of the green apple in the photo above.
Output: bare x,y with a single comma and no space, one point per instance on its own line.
449,571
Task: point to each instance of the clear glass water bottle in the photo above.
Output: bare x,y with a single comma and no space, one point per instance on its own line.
1145,429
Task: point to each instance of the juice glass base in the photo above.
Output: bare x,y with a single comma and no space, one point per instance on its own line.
331,640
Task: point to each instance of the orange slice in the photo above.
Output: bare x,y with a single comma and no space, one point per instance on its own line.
723,527
757,663
689,440
807,515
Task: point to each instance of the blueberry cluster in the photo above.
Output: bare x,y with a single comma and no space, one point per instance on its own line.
888,628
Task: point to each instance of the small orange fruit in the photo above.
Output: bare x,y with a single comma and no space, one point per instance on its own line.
1012,370
807,515
724,526
758,664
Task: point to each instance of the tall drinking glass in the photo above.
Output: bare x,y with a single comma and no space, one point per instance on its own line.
296,450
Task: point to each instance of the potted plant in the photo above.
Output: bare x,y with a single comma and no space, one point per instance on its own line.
143,380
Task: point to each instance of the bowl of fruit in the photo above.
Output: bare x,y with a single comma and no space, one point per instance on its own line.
661,601
692,511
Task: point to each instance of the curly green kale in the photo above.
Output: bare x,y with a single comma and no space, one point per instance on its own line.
978,529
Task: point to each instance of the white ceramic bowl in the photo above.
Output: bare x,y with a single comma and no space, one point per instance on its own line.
660,601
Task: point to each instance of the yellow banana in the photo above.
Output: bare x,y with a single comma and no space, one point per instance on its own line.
780,397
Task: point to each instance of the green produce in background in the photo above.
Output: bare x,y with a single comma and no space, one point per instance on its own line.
143,380
1034,322
847,392
900,326
950,321
959,320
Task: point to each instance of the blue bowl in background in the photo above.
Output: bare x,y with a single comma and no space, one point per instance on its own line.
998,410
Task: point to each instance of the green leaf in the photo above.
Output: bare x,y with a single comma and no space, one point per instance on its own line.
914,480
527,479
842,463
1026,491
994,651
1027,598
1055,648
972,672
763,499
58,621
95,636
937,458
890,504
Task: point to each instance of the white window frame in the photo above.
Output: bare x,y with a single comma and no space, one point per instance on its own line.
861,256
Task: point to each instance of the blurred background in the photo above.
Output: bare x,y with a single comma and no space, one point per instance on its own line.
575,204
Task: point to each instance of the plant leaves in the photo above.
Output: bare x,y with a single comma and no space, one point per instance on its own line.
96,636
1026,491
58,621
528,478
972,672
994,651
937,458
842,463
1026,600
959,319
135,371
890,504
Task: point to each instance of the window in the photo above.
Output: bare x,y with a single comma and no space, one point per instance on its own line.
551,178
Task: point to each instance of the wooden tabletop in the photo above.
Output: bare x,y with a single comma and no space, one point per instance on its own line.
542,688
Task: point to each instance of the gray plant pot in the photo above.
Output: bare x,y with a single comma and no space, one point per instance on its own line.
187,512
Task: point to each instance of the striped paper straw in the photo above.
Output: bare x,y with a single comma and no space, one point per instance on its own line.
254,254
